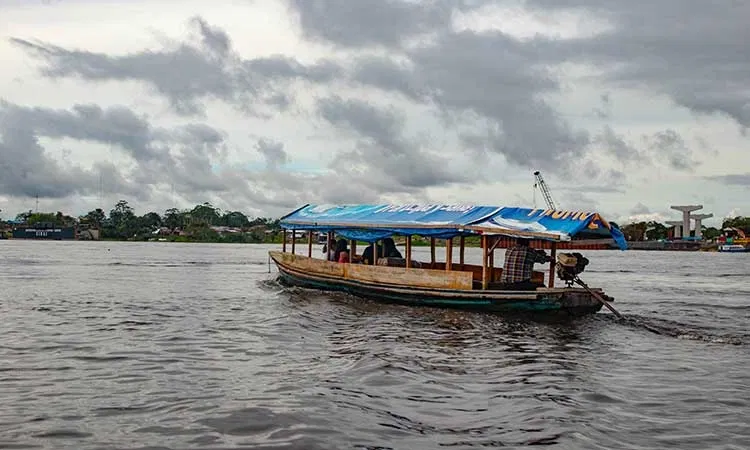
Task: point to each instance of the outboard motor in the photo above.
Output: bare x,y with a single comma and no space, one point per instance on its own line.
569,266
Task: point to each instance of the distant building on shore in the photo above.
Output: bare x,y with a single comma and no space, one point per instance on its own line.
43,230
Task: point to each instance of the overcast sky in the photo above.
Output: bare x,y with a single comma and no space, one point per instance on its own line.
262,106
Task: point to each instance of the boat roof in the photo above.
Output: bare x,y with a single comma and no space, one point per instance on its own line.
371,222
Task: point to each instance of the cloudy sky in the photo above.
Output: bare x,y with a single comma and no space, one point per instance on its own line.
261,106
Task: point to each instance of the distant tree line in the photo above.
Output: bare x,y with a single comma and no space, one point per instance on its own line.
197,224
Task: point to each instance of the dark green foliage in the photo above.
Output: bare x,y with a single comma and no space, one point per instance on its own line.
743,223
203,223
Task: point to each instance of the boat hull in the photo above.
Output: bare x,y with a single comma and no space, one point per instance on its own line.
296,270
733,248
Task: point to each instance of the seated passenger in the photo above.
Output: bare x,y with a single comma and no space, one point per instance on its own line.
341,254
367,257
390,250
519,264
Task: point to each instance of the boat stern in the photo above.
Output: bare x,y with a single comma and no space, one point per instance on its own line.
578,302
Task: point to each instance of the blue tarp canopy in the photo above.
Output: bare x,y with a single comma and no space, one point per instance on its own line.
374,222
545,223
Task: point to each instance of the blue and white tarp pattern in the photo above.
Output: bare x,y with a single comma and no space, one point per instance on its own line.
374,222
565,224
381,221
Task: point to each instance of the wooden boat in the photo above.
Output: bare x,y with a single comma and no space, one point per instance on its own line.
448,283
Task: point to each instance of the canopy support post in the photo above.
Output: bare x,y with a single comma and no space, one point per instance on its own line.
374,253
283,240
408,252
491,256
329,244
552,264
462,247
309,243
432,253
353,250
294,239
449,254
484,262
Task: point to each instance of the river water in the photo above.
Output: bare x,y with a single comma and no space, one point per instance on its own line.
153,345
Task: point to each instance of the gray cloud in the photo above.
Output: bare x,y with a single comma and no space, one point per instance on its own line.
183,156
491,74
496,77
618,147
604,111
389,75
640,208
284,190
27,170
189,159
573,200
365,23
382,146
668,146
194,149
696,55
213,38
190,72
117,125
273,152
695,52
738,179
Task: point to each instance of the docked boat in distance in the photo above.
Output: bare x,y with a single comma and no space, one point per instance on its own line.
447,283
733,248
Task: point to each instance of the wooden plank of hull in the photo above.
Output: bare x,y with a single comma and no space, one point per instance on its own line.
496,272
398,276
569,301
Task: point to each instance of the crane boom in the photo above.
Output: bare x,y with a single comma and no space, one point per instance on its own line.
545,190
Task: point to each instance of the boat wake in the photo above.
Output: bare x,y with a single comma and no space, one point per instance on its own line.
664,327
466,320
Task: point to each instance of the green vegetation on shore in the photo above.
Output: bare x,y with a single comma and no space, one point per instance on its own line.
203,223
206,223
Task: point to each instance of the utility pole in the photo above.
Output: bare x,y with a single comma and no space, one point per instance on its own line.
101,192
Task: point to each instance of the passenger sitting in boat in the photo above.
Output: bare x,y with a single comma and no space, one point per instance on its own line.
390,250
519,264
341,253
367,257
